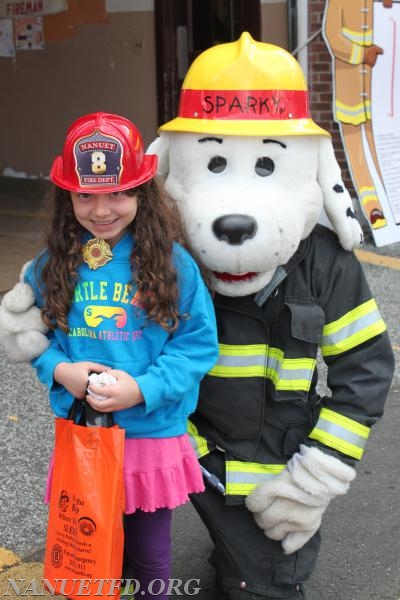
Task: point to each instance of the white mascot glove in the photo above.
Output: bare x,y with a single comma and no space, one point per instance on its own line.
22,331
290,507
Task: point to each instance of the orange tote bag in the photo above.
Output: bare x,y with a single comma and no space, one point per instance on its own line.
85,539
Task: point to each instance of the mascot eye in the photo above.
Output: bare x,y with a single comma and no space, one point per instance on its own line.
264,166
217,164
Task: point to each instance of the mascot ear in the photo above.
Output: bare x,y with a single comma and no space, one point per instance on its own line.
337,202
160,146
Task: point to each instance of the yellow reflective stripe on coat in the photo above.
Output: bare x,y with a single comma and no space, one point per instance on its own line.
353,114
356,55
352,329
362,38
341,433
367,194
260,360
243,477
198,442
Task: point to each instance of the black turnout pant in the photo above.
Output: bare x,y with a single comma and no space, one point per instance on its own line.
248,565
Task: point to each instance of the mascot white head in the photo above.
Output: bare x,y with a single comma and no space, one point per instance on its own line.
250,170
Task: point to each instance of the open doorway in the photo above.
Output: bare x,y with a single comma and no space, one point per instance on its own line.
184,28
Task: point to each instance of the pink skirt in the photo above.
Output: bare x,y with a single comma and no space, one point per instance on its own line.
158,473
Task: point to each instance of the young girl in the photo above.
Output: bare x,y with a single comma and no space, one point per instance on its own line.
119,293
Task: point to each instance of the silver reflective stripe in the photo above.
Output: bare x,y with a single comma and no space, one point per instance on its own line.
198,442
241,361
274,364
295,374
259,360
254,478
242,477
341,432
338,431
193,443
333,339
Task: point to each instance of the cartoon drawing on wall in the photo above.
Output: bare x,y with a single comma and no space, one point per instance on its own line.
28,32
348,30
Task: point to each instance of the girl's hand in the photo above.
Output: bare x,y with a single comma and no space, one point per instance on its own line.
124,394
74,376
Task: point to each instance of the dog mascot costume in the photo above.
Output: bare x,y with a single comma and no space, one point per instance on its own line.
251,173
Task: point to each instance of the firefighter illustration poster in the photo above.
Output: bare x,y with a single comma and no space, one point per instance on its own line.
28,32
363,39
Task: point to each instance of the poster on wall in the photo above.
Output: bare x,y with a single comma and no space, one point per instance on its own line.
7,47
386,112
28,33
23,8
364,53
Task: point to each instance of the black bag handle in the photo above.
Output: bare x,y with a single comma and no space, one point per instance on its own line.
81,413
77,412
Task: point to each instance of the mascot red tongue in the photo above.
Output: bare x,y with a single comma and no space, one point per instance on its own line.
230,277
251,173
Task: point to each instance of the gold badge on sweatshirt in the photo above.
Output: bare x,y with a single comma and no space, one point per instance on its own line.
96,253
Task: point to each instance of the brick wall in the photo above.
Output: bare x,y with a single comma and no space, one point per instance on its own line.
321,88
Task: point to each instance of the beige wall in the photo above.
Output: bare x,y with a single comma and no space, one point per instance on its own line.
95,67
274,22
43,91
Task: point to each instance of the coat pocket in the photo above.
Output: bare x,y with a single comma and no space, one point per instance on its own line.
307,321
303,332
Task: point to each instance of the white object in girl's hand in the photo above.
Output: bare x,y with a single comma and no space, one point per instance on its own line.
103,378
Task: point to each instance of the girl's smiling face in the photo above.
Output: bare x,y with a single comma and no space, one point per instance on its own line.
106,216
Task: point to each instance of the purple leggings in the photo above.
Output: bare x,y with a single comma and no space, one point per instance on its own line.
148,546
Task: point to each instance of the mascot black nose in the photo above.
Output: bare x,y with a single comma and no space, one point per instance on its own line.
235,229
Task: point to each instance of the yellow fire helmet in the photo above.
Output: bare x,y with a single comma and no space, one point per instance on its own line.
244,88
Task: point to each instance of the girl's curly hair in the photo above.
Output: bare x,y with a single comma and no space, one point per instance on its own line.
156,226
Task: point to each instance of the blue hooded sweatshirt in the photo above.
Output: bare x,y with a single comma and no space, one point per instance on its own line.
107,325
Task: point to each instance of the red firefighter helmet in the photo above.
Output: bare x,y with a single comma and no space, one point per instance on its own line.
102,153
